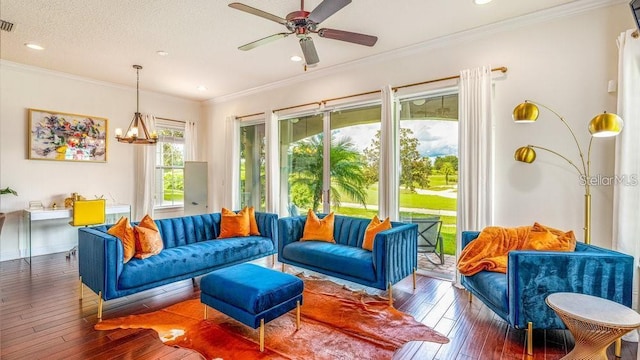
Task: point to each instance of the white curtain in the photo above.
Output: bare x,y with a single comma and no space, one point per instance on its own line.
475,139
388,189
232,163
145,166
190,141
626,193
273,165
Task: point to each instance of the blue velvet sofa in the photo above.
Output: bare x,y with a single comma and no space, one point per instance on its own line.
190,249
519,295
393,258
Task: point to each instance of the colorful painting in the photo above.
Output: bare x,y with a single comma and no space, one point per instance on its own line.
69,137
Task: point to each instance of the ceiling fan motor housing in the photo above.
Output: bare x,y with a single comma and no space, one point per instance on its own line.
298,23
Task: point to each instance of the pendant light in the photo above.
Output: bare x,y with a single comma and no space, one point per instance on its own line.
137,132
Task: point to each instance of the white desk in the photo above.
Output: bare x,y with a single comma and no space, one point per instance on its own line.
31,215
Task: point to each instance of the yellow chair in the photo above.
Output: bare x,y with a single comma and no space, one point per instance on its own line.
87,212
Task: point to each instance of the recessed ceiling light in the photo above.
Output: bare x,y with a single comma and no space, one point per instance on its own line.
296,58
34,46
162,53
481,2
202,88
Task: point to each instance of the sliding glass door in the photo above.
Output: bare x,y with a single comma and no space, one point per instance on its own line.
323,164
354,161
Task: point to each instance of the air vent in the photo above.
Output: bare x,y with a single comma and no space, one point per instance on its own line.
5,25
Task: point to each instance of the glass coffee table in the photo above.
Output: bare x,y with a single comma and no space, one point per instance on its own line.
594,322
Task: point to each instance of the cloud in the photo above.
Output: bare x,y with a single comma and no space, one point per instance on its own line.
435,138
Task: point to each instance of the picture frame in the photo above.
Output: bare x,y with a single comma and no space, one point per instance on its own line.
60,136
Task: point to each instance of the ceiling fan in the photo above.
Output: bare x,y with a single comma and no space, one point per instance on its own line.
303,24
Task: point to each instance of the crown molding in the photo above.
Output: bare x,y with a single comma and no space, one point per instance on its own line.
34,69
561,11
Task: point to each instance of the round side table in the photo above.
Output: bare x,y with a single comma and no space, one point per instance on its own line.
594,322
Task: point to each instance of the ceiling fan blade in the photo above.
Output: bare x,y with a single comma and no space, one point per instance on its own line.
258,12
348,36
326,9
263,41
309,51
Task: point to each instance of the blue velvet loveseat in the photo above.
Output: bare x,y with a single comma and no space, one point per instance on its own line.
190,249
393,258
519,296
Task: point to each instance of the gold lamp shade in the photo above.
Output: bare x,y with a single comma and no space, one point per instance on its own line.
525,154
605,125
525,112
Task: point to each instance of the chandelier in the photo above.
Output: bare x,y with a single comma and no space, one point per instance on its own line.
137,132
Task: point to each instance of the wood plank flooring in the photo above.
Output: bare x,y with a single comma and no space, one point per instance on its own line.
41,317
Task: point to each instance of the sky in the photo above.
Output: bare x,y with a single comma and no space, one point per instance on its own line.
435,138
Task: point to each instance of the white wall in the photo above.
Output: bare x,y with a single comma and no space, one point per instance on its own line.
564,63
23,87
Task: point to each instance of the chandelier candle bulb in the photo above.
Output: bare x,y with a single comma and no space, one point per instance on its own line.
118,132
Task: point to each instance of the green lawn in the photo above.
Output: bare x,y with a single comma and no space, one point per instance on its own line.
409,199
173,195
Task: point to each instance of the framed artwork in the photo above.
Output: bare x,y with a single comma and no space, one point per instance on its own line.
55,135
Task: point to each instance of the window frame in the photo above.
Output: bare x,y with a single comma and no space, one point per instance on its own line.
173,125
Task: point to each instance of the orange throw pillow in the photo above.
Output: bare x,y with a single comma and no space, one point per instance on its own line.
253,224
316,229
375,226
234,225
123,231
545,238
148,239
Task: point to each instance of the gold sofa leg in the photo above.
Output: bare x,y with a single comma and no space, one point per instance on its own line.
81,288
100,306
470,296
273,260
529,338
618,352
282,267
261,335
414,278
390,292
205,312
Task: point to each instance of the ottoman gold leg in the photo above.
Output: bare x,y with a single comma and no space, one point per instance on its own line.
261,335
205,312
618,352
282,267
390,291
298,315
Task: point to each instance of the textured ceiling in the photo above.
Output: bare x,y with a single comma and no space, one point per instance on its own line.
101,39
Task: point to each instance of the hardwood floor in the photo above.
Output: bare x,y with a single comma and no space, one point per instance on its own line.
41,317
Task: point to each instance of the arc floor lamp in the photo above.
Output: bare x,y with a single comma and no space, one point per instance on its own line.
603,125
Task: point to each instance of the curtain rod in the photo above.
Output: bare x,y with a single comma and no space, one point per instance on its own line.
250,115
178,121
502,69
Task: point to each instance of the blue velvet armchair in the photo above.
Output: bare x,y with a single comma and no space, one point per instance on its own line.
519,295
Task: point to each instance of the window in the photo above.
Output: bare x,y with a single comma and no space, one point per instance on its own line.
169,164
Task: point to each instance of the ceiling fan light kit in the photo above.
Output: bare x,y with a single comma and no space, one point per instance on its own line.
303,23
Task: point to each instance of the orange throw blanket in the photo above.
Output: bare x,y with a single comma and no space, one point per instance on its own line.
490,250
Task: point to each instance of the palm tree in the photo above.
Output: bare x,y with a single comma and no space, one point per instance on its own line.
345,167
